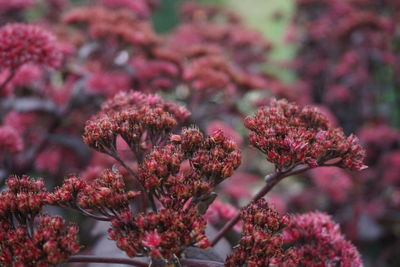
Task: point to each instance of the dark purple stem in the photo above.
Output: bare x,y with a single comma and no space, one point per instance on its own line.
271,180
9,78
133,262
98,259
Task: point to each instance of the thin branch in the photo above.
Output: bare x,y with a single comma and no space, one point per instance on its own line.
93,216
149,197
98,259
133,262
271,180
8,79
200,263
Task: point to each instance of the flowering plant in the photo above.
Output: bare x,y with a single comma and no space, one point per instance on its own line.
141,132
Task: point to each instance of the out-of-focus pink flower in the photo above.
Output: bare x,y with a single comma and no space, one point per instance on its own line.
333,181
19,121
23,43
49,160
378,135
338,94
10,140
142,8
238,186
7,5
24,76
391,166
218,213
108,83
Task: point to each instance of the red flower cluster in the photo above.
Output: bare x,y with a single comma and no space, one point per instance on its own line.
212,159
317,241
160,235
261,243
21,44
290,135
24,197
141,120
106,195
25,241
104,23
51,243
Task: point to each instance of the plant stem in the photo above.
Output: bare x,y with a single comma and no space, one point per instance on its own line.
98,259
8,79
271,180
133,262
149,197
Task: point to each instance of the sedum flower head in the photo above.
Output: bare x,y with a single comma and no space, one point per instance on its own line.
261,243
317,240
291,135
23,43
160,235
141,120
51,243
190,165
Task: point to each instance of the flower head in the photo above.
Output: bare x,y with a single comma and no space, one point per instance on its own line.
317,240
290,135
24,196
261,242
51,243
211,160
22,43
141,120
160,235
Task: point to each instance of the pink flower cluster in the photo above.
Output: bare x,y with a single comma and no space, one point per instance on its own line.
141,120
261,242
160,235
317,241
291,135
21,44
26,240
211,160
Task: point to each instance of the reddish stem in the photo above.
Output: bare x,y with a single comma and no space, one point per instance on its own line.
271,180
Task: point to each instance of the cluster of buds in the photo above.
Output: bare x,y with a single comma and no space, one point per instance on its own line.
26,240
51,243
104,23
24,198
290,135
105,195
261,243
317,241
22,43
143,121
210,160
161,235
106,192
